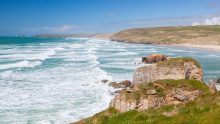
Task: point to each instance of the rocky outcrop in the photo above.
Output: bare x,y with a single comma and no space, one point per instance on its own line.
151,96
174,68
174,82
153,58
122,84
163,83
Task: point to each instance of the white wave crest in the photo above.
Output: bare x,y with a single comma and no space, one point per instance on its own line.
20,64
43,55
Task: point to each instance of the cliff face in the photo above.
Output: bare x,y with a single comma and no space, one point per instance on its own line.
157,94
174,68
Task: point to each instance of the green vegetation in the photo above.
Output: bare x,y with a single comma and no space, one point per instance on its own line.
171,35
204,110
177,62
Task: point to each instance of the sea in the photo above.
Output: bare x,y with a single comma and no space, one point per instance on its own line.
58,80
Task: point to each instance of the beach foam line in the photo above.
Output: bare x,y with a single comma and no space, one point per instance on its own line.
21,64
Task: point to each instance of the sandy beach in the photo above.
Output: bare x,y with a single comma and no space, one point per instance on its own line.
207,47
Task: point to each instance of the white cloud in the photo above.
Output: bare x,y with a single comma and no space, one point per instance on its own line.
212,21
55,29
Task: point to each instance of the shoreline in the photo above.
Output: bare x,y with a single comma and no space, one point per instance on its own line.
207,47
186,45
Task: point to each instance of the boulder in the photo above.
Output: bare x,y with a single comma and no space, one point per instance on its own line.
104,81
113,84
174,68
153,58
122,84
218,81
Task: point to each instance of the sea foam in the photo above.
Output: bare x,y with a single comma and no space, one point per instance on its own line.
21,64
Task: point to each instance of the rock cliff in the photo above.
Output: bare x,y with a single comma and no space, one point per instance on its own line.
167,80
156,94
173,68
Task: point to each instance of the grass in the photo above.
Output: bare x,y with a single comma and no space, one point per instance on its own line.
177,62
204,110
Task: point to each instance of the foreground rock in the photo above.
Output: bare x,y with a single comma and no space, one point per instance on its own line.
153,95
203,110
153,58
174,68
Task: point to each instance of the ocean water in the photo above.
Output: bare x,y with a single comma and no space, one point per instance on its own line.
57,80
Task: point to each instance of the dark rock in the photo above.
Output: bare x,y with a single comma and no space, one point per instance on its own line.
218,81
123,84
113,84
153,58
104,81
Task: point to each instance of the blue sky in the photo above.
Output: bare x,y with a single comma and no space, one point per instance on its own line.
31,17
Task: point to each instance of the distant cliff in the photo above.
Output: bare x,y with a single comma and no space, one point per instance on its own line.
197,35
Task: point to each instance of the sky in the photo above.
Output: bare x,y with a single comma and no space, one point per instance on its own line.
30,17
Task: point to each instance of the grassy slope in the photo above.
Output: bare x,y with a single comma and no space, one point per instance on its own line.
204,110
171,35
174,62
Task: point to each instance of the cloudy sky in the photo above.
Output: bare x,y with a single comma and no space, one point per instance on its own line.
32,17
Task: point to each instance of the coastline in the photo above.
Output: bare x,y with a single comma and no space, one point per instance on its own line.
186,45
203,37
207,47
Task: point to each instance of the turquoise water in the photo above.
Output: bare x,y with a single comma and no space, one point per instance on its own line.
57,80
